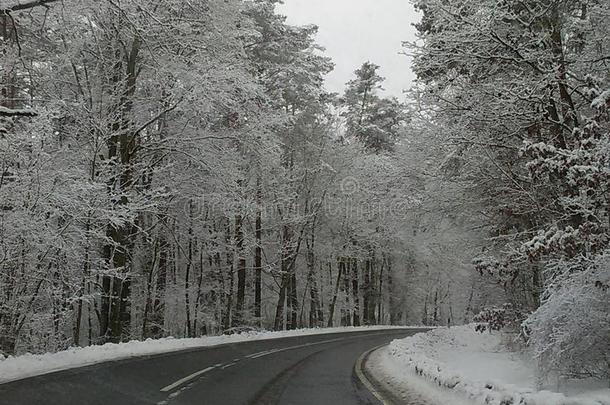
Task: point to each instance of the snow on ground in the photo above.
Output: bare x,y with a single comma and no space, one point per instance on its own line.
465,365
29,365
405,385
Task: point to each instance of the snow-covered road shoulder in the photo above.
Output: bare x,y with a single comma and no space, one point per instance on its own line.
463,366
30,365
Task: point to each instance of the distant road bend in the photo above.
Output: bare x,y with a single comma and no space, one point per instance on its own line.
305,370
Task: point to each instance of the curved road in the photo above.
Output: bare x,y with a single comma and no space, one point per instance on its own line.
306,370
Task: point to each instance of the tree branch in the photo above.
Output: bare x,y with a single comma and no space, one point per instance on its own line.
8,112
19,5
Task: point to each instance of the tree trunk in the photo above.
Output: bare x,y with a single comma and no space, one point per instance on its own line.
372,288
258,257
148,299
355,292
238,319
394,313
8,90
157,318
425,313
367,299
198,295
293,301
380,314
187,278
84,284
278,323
468,311
229,295
316,315
116,311
286,277
331,311
436,314
346,319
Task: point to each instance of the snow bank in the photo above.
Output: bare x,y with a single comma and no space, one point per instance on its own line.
29,365
477,367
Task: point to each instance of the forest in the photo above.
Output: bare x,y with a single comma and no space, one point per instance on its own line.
178,168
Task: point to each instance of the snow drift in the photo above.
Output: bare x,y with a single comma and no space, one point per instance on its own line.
479,368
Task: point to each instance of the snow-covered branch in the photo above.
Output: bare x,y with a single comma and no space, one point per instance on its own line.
12,112
18,5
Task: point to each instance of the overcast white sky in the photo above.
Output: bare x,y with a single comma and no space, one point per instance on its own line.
354,31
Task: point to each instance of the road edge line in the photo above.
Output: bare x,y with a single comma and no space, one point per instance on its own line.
359,369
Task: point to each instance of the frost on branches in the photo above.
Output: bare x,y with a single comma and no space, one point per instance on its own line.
522,91
495,319
570,332
175,168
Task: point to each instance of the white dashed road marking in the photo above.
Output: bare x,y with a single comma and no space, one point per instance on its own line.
186,379
257,355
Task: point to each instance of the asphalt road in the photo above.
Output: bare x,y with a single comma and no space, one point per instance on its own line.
307,370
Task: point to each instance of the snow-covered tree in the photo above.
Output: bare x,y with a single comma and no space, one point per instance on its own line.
518,88
373,120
